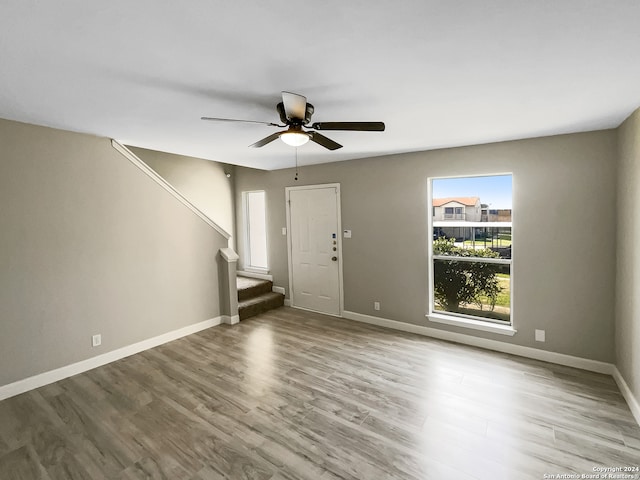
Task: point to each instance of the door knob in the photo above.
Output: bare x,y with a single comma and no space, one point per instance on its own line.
335,259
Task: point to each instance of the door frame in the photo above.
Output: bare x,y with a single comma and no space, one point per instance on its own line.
287,191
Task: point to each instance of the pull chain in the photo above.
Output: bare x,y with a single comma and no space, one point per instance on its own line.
296,177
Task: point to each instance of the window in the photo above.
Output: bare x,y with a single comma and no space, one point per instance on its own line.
255,230
470,258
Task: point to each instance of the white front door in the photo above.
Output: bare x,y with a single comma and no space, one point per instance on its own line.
315,271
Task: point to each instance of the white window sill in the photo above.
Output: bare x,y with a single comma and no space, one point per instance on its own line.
263,271
474,324
253,273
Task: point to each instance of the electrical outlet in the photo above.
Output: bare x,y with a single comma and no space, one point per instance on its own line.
284,231
96,340
540,336
376,305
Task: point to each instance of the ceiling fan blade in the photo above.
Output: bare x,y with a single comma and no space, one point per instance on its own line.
355,126
295,106
324,141
265,140
215,119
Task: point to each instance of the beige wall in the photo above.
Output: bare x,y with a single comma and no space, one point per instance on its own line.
89,244
204,183
564,254
628,250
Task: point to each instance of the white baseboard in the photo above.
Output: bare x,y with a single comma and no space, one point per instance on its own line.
230,320
42,379
528,352
632,401
278,290
287,302
51,376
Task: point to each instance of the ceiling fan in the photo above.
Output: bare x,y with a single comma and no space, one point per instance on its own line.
295,114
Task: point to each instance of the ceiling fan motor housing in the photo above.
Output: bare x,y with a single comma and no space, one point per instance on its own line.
283,115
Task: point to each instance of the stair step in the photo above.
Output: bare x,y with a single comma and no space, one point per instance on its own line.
252,287
259,304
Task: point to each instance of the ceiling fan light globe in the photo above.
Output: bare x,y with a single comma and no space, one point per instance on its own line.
294,139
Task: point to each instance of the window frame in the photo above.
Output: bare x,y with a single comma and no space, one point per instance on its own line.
456,319
247,233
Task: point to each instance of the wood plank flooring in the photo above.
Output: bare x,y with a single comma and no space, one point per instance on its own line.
291,395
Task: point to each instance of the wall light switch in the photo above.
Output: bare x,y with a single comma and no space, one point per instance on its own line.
284,230
540,336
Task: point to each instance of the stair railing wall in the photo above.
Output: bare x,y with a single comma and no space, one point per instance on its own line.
228,263
168,187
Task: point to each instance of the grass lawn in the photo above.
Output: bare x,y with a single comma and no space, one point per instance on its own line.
504,297
497,242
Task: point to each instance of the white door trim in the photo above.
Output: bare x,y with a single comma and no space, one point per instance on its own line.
287,191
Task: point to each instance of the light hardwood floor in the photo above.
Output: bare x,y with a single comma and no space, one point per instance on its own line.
296,395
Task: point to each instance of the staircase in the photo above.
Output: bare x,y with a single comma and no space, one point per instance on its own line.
255,297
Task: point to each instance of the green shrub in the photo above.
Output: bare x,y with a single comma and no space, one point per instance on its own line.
457,282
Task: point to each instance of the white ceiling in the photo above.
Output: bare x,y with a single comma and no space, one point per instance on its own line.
438,73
